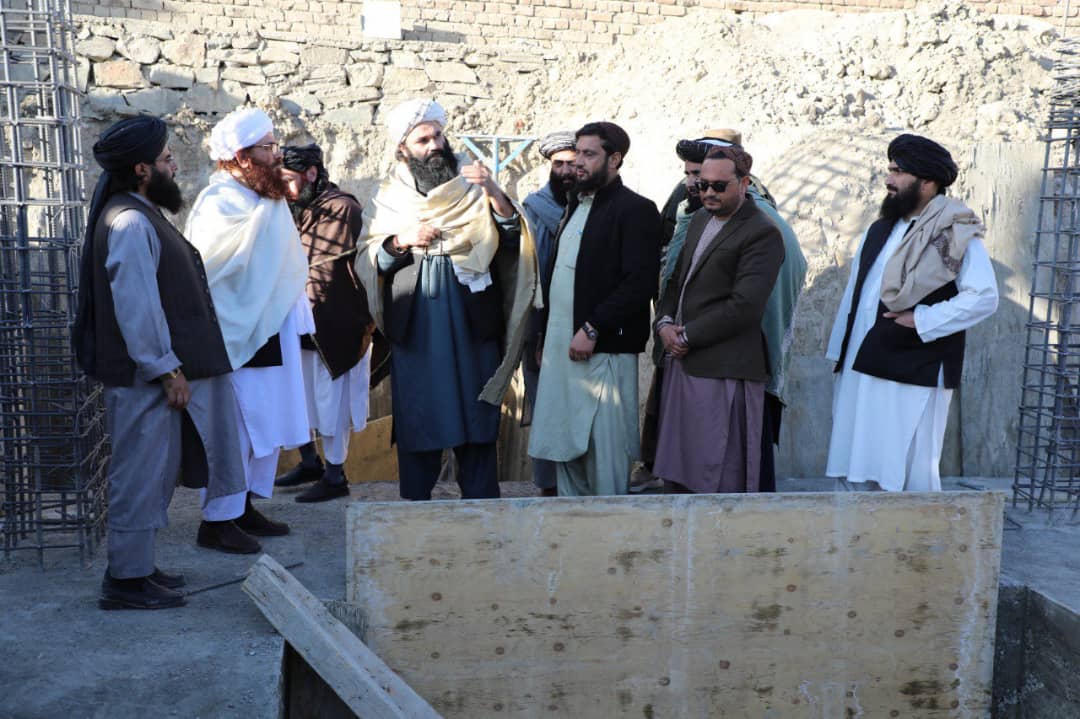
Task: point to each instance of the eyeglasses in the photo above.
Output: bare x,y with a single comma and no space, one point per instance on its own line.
718,186
273,147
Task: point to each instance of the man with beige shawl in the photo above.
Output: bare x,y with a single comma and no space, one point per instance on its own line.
450,272
921,278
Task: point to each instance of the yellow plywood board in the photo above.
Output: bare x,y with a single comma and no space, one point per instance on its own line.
789,605
371,457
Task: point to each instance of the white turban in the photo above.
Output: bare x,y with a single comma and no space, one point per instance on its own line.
403,118
237,130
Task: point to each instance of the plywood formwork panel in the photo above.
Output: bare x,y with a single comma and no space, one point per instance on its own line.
794,605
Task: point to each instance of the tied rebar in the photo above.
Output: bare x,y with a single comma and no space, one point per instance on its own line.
53,442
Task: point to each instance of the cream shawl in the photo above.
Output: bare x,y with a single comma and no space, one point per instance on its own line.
470,237
255,264
930,254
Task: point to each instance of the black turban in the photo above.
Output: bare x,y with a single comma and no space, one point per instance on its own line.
696,150
609,132
118,150
923,158
299,158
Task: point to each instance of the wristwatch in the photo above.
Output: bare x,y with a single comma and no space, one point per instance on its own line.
589,331
171,374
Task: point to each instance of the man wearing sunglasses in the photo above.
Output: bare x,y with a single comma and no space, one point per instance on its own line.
708,336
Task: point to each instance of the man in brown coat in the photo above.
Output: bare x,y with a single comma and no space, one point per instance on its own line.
709,330
335,360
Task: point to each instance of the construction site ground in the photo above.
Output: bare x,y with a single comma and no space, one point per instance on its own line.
218,657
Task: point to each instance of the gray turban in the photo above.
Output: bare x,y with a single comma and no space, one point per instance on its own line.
556,142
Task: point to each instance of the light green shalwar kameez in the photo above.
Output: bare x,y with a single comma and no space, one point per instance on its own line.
586,417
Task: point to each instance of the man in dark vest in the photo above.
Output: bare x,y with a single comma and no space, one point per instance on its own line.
921,278
335,359
146,328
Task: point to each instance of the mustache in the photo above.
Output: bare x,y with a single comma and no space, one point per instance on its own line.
890,188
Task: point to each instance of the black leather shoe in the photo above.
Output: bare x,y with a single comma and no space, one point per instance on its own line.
257,524
169,581
138,593
299,475
322,491
226,537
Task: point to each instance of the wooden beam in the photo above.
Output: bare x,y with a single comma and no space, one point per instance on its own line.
370,688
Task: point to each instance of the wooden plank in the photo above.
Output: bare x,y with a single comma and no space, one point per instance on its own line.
791,605
354,672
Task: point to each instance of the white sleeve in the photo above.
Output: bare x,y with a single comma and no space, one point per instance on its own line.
977,298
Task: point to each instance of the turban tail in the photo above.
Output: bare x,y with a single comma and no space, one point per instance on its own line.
119,149
923,158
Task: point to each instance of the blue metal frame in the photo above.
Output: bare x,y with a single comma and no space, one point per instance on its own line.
518,144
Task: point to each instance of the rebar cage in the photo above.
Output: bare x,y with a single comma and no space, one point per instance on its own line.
52,435
1048,445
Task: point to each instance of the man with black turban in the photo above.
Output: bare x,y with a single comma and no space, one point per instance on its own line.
335,359
544,210
146,328
920,278
603,272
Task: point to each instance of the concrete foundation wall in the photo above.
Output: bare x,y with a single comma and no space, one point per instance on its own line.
853,605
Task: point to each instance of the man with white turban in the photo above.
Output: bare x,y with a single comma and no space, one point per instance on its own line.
256,269
544,210
450,273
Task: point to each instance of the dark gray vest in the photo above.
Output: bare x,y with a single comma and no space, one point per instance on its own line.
184,295
894,352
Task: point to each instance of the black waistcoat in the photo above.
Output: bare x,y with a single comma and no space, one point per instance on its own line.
892,351
184,295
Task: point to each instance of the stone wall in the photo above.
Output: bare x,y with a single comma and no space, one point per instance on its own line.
547,23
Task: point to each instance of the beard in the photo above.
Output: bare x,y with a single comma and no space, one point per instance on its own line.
594,181
265,180
436,169
693,202
163,191
900,204
561,186
303,200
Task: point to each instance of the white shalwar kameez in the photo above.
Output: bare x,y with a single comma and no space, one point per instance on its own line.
335,407
889,432
256,269
272,412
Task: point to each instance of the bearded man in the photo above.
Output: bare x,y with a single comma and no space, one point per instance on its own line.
544,210
920,278
256,270
450,272
146,328
603,274
336,359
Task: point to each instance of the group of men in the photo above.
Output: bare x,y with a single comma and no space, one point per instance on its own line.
252,330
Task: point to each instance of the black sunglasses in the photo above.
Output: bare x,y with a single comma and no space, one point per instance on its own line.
718,186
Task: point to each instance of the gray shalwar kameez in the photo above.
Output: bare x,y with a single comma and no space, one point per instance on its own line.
146,433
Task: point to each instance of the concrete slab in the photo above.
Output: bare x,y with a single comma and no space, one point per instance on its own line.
840,604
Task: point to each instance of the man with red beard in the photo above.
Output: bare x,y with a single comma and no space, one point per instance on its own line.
146,329
450,273
256,269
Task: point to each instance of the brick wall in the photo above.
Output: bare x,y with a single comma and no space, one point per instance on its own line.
584,23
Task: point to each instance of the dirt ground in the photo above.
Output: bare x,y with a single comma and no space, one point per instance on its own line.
216,657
